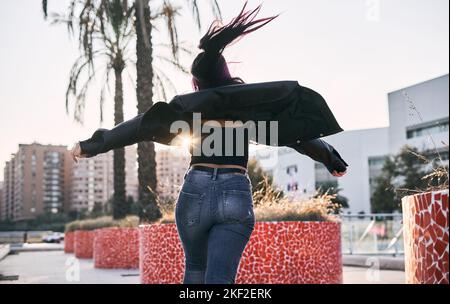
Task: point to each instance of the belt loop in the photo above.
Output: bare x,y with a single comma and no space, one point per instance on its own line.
214,177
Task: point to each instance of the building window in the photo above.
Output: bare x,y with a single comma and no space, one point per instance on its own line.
292,187
439,127
377,161
292,170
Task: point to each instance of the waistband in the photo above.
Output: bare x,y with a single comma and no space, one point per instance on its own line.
218,170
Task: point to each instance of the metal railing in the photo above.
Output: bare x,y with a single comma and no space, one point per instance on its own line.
372,234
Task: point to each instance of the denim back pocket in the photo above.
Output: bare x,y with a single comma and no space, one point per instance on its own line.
237,205
188,208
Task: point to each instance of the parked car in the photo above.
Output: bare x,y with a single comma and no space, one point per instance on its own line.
55,237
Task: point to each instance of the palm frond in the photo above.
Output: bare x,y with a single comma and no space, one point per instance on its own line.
104,29
195,13
164,80
185,49
169,15
216,9
44,8
160,88
80,66
174,63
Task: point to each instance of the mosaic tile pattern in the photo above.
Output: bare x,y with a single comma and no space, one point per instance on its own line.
293,253
84,244
425,230
161,257
69,238
277,253
116,248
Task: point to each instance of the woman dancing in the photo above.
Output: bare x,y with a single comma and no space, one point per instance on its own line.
214,211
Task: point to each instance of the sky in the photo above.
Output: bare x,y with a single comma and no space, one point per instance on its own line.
353,52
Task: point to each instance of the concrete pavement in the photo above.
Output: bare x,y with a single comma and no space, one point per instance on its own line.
36,247
360,275
55,267
4,250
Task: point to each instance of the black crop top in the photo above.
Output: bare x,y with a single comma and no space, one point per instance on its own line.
233,151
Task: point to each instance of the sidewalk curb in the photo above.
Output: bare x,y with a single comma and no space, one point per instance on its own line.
4,251
381,262
15,248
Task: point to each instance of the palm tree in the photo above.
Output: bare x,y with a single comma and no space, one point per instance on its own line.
144,88
148,76
105,29
148,209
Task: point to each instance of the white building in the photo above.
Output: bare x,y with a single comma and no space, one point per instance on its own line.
417,112
419,117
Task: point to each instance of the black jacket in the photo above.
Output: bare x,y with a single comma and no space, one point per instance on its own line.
303,117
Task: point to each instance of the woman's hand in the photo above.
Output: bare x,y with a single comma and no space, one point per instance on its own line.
339,174
76,152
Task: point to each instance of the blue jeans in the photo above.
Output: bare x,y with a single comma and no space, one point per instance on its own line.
215,218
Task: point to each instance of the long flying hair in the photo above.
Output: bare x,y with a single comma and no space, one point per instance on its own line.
210,69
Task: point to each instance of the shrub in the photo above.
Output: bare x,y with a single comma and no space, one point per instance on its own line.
72,226
168,211
102,222
319,208
272,205
266,193
272,208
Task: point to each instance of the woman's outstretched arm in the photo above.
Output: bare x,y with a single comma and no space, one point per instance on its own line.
153,125
104,140
321,151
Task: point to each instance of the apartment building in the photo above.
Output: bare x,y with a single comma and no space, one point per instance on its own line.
36,181
93,180
171,165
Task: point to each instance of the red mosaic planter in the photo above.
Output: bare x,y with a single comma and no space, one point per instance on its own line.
116,248
69,238
425,233
277,253
84,244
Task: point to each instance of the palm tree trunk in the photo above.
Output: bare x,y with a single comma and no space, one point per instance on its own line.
148,207
119,199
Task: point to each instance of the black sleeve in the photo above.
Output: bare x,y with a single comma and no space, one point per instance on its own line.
104,140
322,152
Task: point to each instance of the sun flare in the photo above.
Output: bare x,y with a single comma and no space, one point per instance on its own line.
186,141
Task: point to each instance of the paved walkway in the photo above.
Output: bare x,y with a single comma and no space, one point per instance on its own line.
55,267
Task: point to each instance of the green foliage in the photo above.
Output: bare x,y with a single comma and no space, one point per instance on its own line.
408,172
72,226
97,211
47,221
